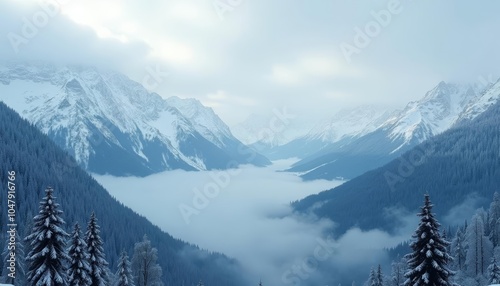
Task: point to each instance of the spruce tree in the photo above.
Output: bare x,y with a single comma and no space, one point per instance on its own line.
428,263
494,220
97,260
17,248
47,258
124,273
79,268
379,279
372,279
398,272
494,272
459,247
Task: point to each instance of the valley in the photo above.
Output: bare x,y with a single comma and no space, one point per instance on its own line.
245,143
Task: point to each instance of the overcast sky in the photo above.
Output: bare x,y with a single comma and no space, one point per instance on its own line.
243,57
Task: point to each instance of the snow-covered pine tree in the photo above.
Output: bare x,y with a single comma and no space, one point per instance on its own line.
124,273
398,272
459,250
18,249
372,278
97,260
379,278
79,267
47,258
146,270
479,247
494,272
494,220
428,263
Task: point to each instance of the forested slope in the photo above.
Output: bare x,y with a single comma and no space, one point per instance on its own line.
39,163
450,167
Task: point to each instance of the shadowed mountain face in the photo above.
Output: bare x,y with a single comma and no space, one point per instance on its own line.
460,166
442,108
39,163
111,124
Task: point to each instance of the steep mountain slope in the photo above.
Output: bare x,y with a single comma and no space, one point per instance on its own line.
439,110
341,129
111,124
458,166
265,132
38,163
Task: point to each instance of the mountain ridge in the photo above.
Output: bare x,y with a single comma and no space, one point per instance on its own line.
102,116
441,108
451,166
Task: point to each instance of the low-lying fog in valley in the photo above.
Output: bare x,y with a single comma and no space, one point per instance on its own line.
245,213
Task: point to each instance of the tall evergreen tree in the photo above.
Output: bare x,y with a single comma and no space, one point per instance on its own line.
145,268
398,272
494,220
124,273
79,268
459,250
372,279
479,247
97,260
48,258
379,279
428,263
18,249
494,272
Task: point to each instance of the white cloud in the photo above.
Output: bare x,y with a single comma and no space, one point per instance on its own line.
310,69
268,52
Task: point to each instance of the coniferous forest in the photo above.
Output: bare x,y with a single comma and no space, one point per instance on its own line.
453,167
468,256
38,164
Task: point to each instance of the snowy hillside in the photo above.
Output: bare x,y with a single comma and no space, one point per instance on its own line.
343,127
484,100
349,123
112,124
440,109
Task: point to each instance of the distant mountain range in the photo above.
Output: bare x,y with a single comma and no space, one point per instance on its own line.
355,141
459,168
113,125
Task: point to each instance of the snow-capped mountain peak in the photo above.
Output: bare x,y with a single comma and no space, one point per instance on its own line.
203,118
436,112
484,99
349,123
107,121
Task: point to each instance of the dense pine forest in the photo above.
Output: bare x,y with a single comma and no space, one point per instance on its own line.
453,167
469,256
38,163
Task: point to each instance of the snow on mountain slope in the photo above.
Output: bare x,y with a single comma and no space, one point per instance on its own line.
203,119
344,126
111,124
484,100
349,123
440,109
